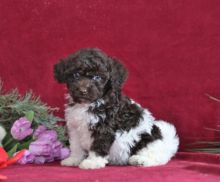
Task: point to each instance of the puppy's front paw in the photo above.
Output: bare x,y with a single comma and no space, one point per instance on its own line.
92,164
70,161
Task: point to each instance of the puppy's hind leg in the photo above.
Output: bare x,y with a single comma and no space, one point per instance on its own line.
146,157
160,151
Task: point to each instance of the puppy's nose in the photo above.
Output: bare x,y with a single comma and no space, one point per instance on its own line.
84,91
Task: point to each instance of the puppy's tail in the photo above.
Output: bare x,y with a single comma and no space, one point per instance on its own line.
170,140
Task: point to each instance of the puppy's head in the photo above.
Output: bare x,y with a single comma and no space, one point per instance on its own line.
90,74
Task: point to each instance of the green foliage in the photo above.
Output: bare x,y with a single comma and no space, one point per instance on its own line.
29,115
13,106
207,146
13,150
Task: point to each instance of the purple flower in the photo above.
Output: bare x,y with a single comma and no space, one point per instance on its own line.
41,129
21,129
56,147
50,135
43,159
39,160
64,153
41,148
49,158
27,158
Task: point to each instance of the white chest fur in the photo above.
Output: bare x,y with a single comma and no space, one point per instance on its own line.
78,120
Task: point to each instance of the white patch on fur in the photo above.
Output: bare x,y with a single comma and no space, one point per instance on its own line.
98,103
133,102
78,120
2,134
71,161
93,162
120,149
158,152
77,152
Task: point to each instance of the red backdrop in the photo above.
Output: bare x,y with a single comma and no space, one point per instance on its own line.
171,48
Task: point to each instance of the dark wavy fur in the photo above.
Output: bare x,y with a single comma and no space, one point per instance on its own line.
91,75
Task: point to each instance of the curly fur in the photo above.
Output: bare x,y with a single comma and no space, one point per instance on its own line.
104,126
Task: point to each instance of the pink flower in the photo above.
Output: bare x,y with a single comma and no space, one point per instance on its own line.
21,129
41,148
41,129
50,135
39,160
43,159
64,153
56,146
27,158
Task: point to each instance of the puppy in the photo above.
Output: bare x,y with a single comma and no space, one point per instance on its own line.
104,126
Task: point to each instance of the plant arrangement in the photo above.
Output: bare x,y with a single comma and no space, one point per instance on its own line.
31,124
208,146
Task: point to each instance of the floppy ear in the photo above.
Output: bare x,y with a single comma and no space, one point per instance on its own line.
59,71
118,74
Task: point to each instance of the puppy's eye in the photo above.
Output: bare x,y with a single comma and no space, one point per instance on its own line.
97,78
76,75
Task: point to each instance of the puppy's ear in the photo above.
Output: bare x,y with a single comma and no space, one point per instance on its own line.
59,71
119,73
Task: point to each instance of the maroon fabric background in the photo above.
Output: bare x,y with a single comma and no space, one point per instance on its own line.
187,167
171,48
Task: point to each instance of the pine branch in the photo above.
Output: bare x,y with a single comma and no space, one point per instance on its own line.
207,146
13,106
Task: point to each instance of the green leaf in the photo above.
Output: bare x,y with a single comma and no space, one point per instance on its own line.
7,140
207,150
29,115
13,150
13,105
204,143
25,145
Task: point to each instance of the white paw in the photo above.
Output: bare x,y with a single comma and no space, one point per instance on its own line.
138,160
70,161
91,164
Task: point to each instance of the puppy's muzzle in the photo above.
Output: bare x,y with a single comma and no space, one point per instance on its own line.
83,91
83,87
